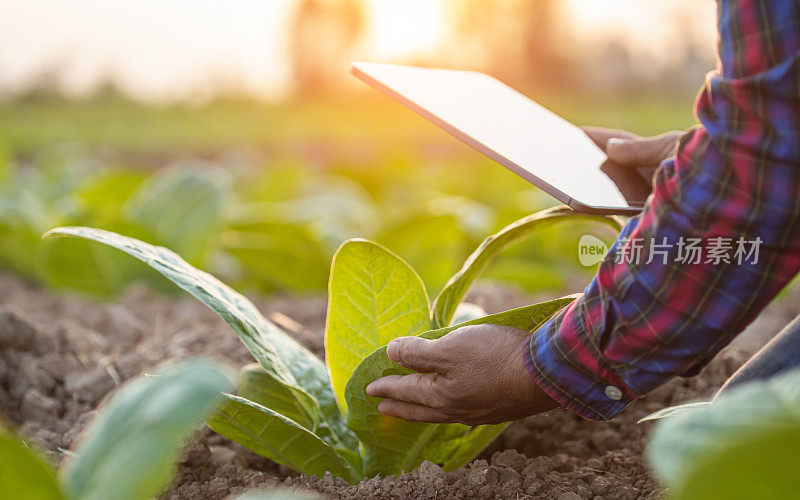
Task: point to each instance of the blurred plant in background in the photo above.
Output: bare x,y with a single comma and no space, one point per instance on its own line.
233,182
280,224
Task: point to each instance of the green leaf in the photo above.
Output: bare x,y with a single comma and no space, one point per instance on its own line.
105,193
336,209
455,289
279,255
467,311
394,446
474,218
277,495
737,420
260,387
24,214
84,266
283,179
18,248
281,356
181,209
528,273
129,451
432,245
759,466
278,438
374,297
23,473
5,168
23,207
674,410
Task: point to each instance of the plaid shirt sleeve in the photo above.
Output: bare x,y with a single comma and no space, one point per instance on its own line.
733,184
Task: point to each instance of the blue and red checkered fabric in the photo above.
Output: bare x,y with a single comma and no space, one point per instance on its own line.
735,176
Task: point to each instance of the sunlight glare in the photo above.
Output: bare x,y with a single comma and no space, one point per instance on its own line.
402,28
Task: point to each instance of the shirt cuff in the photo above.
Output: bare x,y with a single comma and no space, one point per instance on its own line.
563,365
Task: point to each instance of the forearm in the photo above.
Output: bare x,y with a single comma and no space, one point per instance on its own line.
637,326
737,176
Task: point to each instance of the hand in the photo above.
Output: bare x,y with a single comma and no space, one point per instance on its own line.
474,375
644,154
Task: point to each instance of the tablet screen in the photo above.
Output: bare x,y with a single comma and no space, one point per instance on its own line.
520,134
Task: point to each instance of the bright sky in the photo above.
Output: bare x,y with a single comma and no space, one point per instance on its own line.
169,49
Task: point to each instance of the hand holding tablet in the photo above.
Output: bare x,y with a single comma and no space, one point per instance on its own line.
513,130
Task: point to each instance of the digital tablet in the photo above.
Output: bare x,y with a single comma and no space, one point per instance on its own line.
518,133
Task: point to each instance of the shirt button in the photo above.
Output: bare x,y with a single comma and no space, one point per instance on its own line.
613,393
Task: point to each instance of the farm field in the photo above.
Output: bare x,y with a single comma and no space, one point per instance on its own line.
101,345
292,181
121,125
262,196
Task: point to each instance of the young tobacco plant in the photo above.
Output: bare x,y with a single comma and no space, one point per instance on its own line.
129,451
315,416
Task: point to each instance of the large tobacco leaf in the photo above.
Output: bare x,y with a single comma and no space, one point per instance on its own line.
283,358
446,303
394,446
374,297
257,385
279,438
744,444
129,451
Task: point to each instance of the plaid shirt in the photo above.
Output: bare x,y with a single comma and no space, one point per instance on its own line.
735,177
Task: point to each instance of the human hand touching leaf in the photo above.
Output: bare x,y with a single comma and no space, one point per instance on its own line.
474,375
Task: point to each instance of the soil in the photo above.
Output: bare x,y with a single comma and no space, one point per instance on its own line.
60,355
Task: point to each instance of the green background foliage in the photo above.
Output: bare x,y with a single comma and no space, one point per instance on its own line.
262,194
743,445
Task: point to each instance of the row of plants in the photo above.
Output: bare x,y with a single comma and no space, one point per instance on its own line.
315,417
310,415
274,229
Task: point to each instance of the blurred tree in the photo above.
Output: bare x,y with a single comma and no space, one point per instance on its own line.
520,41
321,35
696,53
